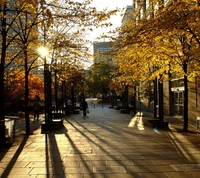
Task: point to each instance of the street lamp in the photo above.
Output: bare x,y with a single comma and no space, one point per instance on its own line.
47,84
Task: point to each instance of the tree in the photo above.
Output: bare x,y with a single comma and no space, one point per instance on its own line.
24,16
14,86
180,24
99,78
169,42
7,36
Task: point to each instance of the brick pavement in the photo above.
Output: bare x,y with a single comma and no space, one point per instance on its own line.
105,144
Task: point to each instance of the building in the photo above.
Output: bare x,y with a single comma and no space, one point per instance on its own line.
173,87
128,15
101,51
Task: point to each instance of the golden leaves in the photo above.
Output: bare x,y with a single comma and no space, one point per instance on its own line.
3,2
156,46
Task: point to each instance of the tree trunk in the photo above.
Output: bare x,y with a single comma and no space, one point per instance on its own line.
134,100
72,97
155,98
161,105
2,123
49,96
26,94
63,85
56,90
185,125
126,97
3,57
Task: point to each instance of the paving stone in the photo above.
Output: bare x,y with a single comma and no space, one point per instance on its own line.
109,157
109,169
183,174
67,163
16,171
93,176
4,164
186,167
118,163
75,170
135,175
102,146
39,164
21,164
154,175
163,161
47,170
22,176
142,162
159,168
135,169
49,176
92,163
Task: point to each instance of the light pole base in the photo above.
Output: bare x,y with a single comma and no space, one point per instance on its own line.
125,111
159,124
54,125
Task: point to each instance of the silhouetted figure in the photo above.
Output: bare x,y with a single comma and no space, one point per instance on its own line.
84,107
36,110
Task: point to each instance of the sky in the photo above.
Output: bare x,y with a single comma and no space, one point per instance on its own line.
116,20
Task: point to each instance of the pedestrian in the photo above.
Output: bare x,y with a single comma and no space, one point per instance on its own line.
36,109
84,107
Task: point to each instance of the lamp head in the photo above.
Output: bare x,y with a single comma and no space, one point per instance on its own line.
43,51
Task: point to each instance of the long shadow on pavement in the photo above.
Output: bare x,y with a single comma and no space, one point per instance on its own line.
97,144
15,157
53,154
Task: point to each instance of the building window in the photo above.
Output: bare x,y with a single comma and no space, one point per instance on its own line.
176,83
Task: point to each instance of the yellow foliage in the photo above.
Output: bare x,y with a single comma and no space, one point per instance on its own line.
161,45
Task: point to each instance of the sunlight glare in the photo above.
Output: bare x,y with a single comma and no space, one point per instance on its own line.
137,121
43,51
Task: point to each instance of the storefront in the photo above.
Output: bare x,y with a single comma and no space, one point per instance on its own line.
177,94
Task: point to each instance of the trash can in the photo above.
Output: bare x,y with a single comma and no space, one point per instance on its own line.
9,128
198,124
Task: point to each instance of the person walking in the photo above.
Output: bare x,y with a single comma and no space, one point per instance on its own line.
84,107
36,110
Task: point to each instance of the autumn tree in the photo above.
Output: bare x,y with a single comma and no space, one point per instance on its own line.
100,75
177,24
24,16
8,17
14,86
65,37
169,42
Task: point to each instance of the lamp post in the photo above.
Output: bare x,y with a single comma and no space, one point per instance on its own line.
47,85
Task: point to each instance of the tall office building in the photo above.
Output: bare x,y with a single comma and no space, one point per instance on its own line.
147,8
101,51
128,15
173,90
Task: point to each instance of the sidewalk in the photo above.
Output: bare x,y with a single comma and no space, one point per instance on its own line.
104,144
175,123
